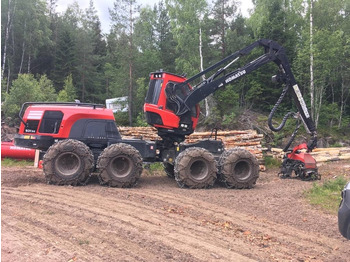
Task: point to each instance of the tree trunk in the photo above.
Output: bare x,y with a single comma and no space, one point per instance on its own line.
207,110
312,88
7,34
345,91
107,87
29,54
223,42
29,62
83,88
23,47
130,98
130,91
22,57
8,77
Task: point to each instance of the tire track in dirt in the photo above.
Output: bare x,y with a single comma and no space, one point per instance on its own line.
167,208
285,237
35,243
179,237
40,228
179,223
117,241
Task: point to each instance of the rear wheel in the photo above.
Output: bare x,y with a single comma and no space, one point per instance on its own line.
68,162
195,168
120,165
238,168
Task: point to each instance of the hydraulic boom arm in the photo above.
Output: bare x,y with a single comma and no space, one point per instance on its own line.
273,53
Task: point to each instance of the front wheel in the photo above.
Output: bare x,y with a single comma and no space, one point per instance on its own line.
120,165
238,168
68,162
195,168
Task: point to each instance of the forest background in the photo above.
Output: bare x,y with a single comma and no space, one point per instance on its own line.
52,56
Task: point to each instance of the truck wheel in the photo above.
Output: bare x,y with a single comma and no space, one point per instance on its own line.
169,169
68,162
195,168
120,165
238,168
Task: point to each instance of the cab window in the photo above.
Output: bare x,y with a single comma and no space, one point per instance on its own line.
155,87
51,122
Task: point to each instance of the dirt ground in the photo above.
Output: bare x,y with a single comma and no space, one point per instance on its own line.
158,221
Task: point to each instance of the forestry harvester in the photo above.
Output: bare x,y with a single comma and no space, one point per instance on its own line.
78,138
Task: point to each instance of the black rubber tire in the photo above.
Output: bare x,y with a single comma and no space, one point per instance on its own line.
68,162
195,167
120,165
169,169
238,168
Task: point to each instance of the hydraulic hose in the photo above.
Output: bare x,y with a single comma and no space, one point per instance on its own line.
286,148
273,111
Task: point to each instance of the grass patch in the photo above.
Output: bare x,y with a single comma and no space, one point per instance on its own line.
156,168
152,167
8,162
84,242
327,195
271,162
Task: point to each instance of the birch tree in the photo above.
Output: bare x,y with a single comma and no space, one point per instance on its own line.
11,7
312,88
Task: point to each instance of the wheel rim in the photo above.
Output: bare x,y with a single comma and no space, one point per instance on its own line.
68,163
198,169
242,170
121,166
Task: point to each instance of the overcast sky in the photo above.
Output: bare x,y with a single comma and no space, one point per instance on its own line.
103,5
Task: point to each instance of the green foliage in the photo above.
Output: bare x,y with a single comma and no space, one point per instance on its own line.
121,118
83,242
141,120
271,162
3,89
254,92
327,195
9,162
47,90
68,93
329,115
228,100
185,24
27,89
228,120
156,167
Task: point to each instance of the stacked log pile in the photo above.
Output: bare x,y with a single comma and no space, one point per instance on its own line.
331,154
321,154
248,139
145,133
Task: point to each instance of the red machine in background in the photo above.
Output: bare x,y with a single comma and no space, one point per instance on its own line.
301,162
